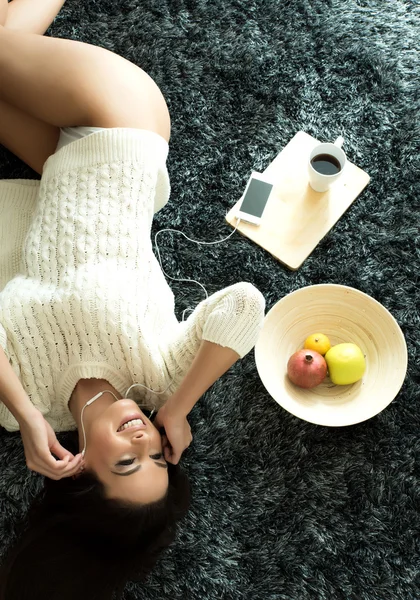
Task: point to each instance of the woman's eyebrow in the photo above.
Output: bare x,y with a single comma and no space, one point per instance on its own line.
126,473
163,465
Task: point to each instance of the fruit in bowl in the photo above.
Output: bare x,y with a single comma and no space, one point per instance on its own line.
346,363
306,368
344,314
318,342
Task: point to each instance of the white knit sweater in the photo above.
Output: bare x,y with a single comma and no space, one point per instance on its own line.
86,297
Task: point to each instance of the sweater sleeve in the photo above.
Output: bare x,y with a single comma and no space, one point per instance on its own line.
17,204
232,318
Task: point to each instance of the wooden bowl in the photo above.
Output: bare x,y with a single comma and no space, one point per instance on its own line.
344,314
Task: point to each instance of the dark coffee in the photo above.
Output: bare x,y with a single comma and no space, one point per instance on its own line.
326,164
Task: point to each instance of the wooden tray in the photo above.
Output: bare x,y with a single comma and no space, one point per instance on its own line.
296,218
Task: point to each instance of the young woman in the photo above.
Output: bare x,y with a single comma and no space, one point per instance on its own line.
89,312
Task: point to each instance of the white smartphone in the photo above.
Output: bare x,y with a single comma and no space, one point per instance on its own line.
254,200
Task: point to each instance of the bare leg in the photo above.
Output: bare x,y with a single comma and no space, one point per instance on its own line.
31,139
30,16
69,83
31,134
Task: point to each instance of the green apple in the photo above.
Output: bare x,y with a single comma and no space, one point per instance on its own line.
346,363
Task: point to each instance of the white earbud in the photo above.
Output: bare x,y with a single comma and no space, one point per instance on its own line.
95,398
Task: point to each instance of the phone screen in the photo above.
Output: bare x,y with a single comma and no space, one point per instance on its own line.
256,197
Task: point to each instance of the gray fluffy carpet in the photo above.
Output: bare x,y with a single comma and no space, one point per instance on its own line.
282,509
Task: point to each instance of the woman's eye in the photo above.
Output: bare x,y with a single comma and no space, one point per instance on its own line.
156,456
124,463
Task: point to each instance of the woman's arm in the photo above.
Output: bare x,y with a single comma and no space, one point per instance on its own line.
222,328
38,437
12,393
210,363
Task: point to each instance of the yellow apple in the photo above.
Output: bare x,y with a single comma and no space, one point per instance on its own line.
346,363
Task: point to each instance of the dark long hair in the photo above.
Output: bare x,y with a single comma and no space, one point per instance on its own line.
77,543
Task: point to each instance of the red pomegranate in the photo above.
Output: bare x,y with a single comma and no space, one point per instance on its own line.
306,368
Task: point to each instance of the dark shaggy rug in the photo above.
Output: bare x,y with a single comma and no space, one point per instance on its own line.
282,509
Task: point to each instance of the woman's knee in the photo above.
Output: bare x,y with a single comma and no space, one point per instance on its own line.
129,97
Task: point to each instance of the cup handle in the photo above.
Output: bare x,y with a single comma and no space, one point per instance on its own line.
339,141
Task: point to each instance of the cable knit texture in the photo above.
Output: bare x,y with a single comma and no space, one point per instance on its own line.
88,297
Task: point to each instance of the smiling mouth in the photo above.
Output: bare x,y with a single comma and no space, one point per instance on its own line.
130,423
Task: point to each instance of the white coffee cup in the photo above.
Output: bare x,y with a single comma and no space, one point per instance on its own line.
320,182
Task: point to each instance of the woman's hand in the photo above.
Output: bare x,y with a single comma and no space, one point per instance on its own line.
39,442
177,436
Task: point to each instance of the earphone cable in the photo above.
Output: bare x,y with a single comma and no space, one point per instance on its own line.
195,242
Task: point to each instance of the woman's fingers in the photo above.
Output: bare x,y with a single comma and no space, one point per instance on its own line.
167,450
57,469
67,467
61,453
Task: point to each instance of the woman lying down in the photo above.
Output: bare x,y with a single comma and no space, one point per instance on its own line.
88,336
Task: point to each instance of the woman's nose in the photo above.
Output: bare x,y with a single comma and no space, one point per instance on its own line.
140,437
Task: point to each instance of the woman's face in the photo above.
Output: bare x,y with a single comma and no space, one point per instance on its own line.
124,450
